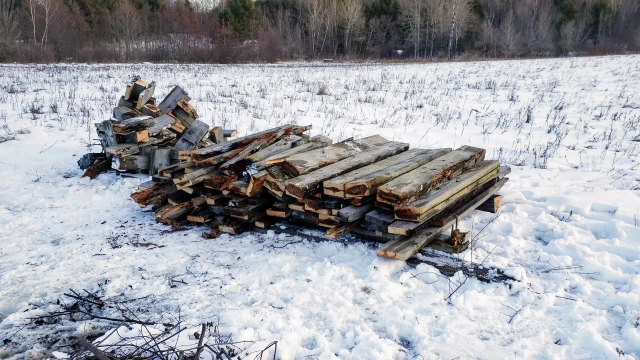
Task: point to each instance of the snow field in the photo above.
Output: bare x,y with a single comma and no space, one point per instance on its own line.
568,229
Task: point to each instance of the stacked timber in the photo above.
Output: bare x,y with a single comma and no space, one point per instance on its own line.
370,187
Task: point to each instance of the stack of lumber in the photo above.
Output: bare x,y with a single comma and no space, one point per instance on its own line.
143,136
369,187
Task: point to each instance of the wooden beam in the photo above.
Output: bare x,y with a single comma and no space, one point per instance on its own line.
353,213
171,100
411,185
365,181
133,124
192,136
216,135
161,123
435,201
302,186
304,163
492,204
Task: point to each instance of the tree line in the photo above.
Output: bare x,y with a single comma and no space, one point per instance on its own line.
221,31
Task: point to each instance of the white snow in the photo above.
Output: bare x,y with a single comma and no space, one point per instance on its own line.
568,230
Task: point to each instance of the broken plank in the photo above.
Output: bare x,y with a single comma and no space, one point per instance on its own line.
492,204
303,185
192,136
161,123
411,185
304,163
138,123
156,194
123,149
171,100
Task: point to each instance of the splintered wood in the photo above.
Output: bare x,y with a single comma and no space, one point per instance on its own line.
371,187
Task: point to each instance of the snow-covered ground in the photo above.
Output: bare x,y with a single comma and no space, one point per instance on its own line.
568,230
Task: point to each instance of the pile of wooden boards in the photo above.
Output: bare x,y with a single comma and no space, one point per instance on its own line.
370,187
143,136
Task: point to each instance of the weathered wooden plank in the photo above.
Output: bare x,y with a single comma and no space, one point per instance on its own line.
105,132
184,105
285,143
435,201
380,218
145,95
316,206
253,147
99,166
235,227
171,101
365,181
161,123
352,213
304,163
201,216
123,149
151,110
411,185
279,213
192,136
216,135
138,123
217,149
403,249
195,177
130,163
278,158
412,157
159,159
302,186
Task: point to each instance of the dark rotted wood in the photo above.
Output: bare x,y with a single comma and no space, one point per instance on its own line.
122,113
138,123
352,213
411,185
256,183
235,227
303,185
216,199
279,158
450,265
249,209
239,187
125,103
170,215
89,159
316,206
365,181
170,171
161,123
492,204
98,167
380,218
229,133
304,163
216,135
342,229
306,217
171,101
153,195
437,200
241,142
279,213
178,197
335,203
160,179
134,137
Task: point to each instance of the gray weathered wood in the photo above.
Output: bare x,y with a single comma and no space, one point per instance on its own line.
276,180
138,123
145,95
437,200
171,101
255,146
409,186
301,164
365,181
278,158
380,218
302,186
161,123
352,213
283,144
192,136
216,135
123,149
492,204
159,159
105,132
122,113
